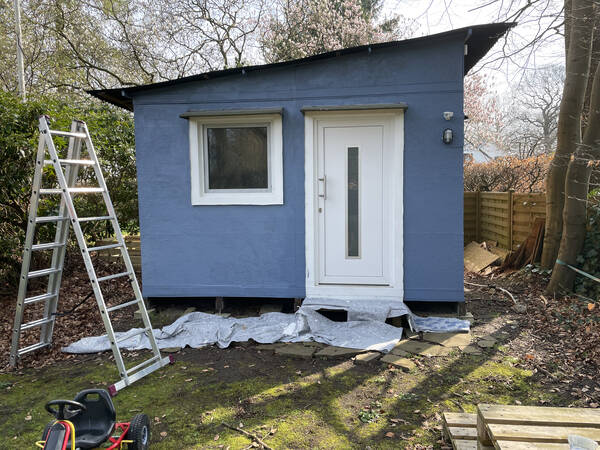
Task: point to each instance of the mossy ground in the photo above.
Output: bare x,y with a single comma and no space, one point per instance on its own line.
312,403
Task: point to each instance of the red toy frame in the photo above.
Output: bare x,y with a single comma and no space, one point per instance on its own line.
116,442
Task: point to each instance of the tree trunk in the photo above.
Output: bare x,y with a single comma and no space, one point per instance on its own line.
577,186
581,26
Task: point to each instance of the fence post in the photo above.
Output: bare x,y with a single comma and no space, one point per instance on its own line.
510,218
478,217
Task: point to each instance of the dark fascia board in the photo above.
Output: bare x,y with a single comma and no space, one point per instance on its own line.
479,39
354,107
230,112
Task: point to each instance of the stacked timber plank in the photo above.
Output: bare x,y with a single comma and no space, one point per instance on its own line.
114,254
504,427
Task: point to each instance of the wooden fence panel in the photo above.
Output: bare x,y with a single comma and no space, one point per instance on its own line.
494,218
470,217
504,217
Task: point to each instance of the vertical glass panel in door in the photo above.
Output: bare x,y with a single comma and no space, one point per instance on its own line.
353,205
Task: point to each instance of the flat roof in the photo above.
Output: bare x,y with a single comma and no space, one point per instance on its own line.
480,39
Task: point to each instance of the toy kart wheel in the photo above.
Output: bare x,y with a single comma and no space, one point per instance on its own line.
139,432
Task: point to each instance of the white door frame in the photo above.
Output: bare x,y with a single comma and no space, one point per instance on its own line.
396,288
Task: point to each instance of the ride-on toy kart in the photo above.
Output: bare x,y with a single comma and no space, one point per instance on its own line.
88,422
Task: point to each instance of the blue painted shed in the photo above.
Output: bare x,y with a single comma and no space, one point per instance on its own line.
326,176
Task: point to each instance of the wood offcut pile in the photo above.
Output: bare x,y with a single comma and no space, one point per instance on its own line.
482,257
511,427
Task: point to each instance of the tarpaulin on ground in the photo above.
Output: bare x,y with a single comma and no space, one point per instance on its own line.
365,329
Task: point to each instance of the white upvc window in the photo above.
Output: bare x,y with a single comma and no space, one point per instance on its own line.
236,160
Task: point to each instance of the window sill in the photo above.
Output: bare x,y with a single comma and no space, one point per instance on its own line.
254,198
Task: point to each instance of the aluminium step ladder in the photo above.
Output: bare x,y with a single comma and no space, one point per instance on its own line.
67,180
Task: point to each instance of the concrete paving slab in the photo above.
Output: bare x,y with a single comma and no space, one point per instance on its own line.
422,348
295,350
471,350
365,358
332,352
404,363
270,346
170,349
399,352
448,339
487,342
314,344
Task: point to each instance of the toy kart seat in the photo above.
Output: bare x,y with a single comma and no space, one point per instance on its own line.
94,425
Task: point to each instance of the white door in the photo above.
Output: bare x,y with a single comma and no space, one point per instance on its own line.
353,201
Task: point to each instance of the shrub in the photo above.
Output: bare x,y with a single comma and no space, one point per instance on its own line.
508,172
113,137
589,259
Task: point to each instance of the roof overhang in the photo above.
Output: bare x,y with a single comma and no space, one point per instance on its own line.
479,39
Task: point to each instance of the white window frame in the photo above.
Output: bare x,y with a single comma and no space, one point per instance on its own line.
201,195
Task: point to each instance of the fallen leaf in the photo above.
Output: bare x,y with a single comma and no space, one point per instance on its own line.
216,438
389,434
591,306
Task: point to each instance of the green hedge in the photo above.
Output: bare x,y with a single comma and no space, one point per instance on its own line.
113,137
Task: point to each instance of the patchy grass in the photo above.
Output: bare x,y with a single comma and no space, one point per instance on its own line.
304,403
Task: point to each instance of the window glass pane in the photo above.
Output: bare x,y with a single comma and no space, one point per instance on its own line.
353,247
237,158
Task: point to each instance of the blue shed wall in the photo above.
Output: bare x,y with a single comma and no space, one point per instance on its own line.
258,251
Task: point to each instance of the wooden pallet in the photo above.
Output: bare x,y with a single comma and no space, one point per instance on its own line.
461,430
520,427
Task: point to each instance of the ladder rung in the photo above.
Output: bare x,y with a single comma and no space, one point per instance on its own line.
47,246
33,347
116,275
143,364
103,247
38,298
89,219
35,323
50,191
50,219
130,335
82,162
84,190
122,305
42,272
67,134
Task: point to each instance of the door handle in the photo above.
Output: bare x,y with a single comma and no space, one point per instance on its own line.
324,181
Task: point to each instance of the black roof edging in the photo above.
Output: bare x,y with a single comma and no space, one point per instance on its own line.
481,38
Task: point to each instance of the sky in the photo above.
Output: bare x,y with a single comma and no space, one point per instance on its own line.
434,16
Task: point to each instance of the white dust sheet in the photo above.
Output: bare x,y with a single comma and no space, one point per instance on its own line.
365,329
